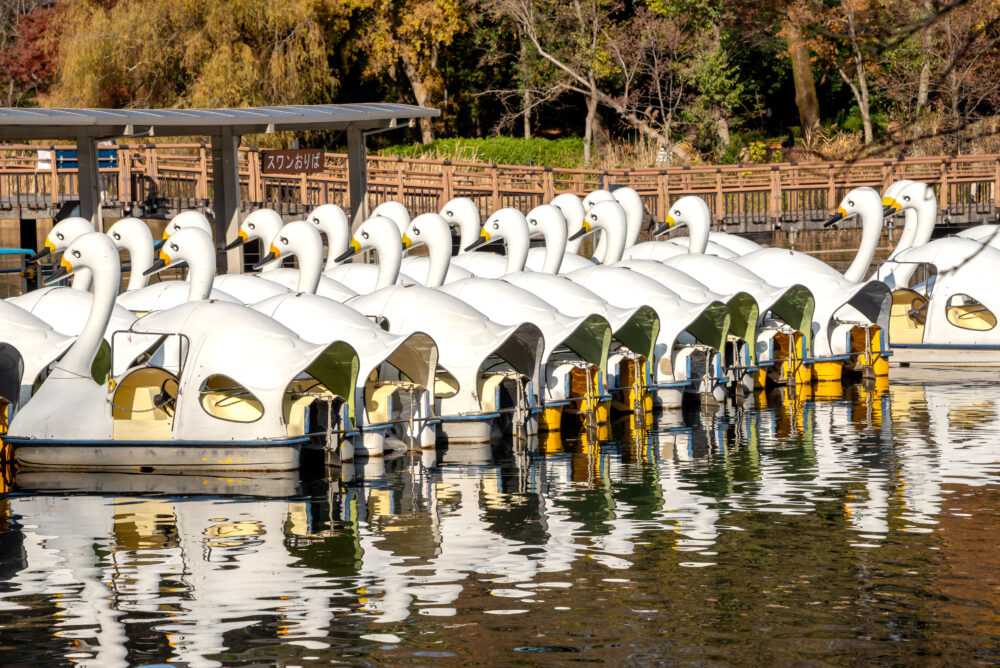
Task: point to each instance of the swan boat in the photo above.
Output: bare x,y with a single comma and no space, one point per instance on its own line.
485,371
217,412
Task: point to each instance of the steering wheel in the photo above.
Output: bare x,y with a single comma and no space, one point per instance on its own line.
164,397
918,310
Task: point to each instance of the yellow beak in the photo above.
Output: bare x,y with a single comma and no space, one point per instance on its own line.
66,264
483,234
49,246
407,242
166,233
585,225
243,235
356,245
670,221
274,249
165,257
891,201
842,211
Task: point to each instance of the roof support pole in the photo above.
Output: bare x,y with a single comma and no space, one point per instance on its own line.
226,202
357,176
89,176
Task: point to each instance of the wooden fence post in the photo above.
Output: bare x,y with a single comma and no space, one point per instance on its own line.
401,187
775,200
54,172
202,188
831,193
495,178
996,184
943,200
447,187
662,194
548,185
720,198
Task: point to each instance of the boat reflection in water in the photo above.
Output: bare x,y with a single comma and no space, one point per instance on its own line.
121,569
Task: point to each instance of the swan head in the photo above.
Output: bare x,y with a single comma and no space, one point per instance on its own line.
597,196
605,215
910,195
429,229
572,210
94,251
502,224
463,213
546,220
395,212
331,220
378,233
298,238
129,233
859,201
62,234
889,204
692,211
187,246
261,224
187,219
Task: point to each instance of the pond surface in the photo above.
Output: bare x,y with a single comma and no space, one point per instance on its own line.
854,529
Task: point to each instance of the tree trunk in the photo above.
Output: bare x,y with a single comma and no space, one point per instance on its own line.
588,134
805,86
722,129
422,95
527,112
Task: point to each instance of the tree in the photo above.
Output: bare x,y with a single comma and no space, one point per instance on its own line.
410,34
27,61
192,53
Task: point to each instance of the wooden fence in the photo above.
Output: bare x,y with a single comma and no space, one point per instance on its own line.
158,180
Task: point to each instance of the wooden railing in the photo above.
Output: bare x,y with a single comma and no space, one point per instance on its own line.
156,180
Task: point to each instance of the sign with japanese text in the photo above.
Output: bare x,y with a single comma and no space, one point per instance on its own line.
292,161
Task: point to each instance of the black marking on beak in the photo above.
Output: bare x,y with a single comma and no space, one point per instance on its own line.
343,256
264,260
662,229
478,243
158,244
236,243
576,235
835,218
887,211
159,265
45,252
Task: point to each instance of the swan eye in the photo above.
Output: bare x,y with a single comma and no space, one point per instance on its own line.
117,236
532,221
416,232
364,235
174,247
850,203
677,212
76,253
314,220
283,240
251,226
906,198
593,216
449,213
496,226
59,236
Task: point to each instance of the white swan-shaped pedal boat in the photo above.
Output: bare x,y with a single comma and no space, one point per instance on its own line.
239,402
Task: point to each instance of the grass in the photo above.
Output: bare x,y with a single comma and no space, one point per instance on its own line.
566,152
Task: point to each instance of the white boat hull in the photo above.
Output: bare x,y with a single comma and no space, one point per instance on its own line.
932,355
160,457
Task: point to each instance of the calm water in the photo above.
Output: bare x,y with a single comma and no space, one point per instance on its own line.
858,529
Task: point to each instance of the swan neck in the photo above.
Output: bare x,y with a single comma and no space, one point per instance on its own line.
615,245
517,251
201,275
555,248
871,225
80,357
698,236
439,259
82,279
389,260
310,270
140,256
601,249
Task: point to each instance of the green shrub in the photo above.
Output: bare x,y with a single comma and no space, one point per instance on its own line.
566,152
